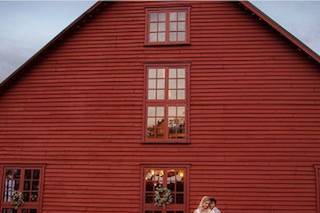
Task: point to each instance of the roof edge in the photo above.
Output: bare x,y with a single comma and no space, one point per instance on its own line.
248,5
73,24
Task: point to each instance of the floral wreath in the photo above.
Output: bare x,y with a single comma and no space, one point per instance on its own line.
17,199
162,196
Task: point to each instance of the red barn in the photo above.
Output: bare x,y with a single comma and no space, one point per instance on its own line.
201,98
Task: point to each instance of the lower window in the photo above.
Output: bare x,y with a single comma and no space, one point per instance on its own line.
21,189
5,210
164,190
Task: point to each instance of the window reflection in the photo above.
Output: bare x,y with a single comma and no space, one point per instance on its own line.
176,121
11,183
155,121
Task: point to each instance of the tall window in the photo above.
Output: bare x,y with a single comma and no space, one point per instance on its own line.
173,179
21,183
166,103
167,26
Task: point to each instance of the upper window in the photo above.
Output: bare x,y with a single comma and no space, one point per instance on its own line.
21,190
166,103
168,26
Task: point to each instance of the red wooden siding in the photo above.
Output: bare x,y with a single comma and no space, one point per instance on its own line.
254,114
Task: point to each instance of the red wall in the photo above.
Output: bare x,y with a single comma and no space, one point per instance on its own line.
254,114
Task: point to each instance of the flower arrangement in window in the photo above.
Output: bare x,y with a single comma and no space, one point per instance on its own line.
17,199
162,196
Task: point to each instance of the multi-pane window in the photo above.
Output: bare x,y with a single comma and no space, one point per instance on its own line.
21,184
166,103
173,179
167,26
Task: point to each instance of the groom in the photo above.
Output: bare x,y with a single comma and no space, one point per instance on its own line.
213,207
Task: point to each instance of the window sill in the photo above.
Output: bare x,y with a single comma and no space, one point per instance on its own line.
166,142
166,44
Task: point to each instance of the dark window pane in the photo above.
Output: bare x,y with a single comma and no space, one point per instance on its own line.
179,211
16,174
33,210
170,211
9,211
36,174
173,198
171,186
26,185
149,197
179,198
26,196
35,185
25,211
180,187
10,173
149,186
27,174
34,196
16,185
157,211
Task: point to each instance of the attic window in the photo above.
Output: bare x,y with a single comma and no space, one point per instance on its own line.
167,26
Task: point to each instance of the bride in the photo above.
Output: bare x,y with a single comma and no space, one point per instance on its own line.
203,205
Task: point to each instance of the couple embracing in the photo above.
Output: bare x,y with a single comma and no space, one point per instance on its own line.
207,205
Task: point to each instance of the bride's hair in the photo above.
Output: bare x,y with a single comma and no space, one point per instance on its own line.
203,200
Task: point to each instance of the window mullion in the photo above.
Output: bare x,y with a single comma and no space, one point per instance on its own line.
166,133
166,87
165,101
21,184
167,26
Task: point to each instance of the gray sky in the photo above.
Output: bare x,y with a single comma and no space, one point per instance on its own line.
29,25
